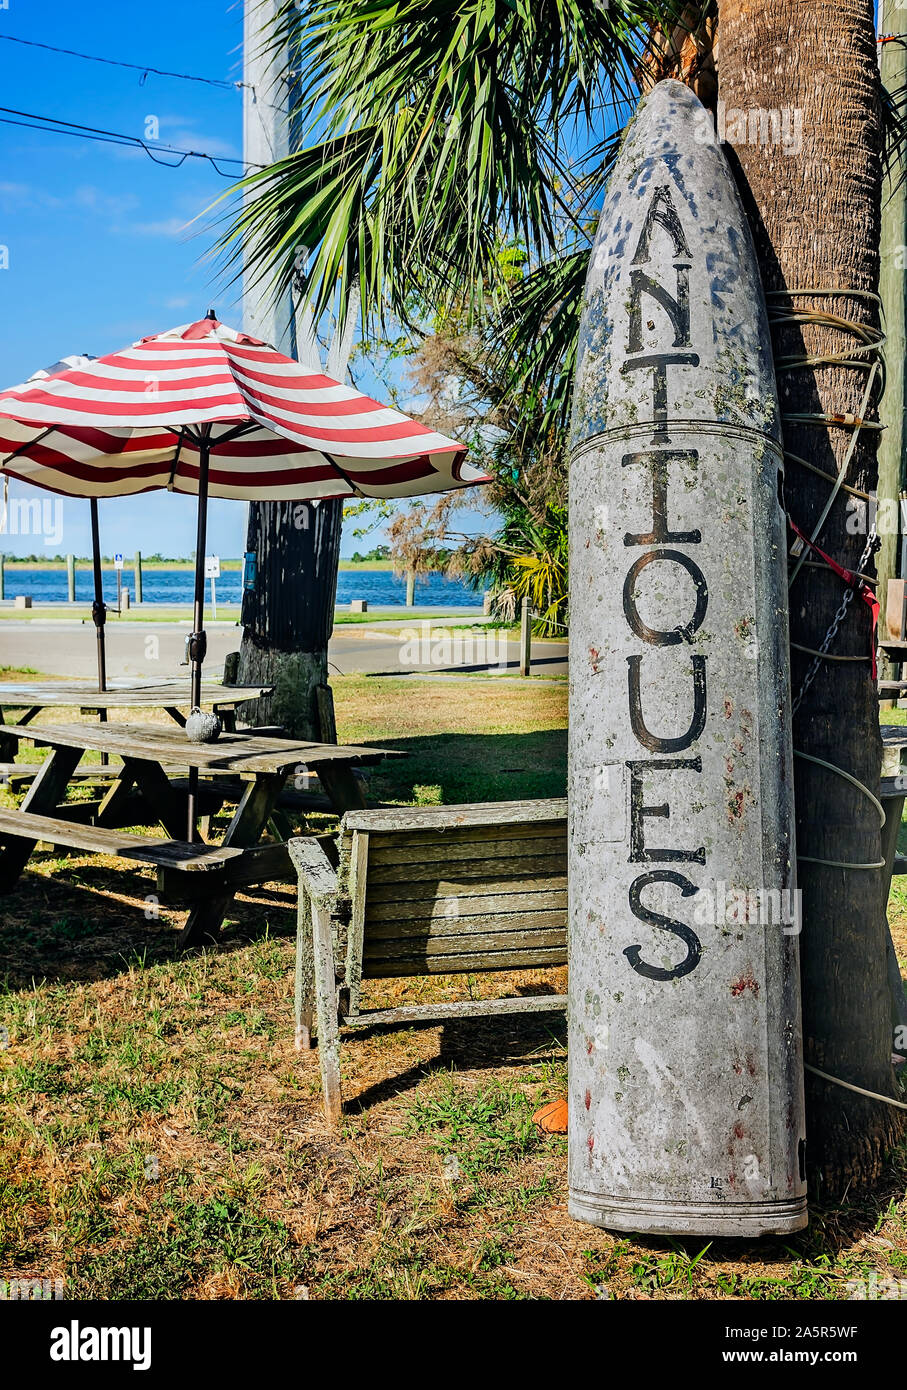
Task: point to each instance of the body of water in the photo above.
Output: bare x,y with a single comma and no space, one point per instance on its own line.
381,588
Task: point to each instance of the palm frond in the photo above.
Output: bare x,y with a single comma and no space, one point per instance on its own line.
430,131
536,333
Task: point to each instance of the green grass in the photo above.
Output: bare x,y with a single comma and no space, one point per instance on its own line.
161,1139
501,743
180,1241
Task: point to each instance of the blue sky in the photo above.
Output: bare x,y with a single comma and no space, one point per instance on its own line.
100,246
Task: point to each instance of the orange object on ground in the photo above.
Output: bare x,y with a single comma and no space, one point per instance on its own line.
552,1118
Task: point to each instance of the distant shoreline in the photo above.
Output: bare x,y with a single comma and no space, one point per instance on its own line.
52,563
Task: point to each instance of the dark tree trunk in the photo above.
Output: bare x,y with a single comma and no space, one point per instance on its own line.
816,218
288,616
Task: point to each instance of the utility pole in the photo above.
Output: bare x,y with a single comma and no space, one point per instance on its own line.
892,283
288,614
268,91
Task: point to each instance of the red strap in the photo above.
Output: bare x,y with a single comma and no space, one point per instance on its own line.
853,581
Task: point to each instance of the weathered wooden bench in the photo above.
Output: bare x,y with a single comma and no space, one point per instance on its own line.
426,891
184,871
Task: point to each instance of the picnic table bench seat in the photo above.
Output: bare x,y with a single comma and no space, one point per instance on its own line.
260,765
426,891
206,863
18,774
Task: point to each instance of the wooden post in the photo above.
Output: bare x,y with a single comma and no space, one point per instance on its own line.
71,578
896,609
137,571
525,638
327,723
326,1012
893,292
231,668
304,988
315,971
2,575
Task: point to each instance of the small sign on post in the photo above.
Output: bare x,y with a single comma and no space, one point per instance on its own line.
525,637
250,572
212,572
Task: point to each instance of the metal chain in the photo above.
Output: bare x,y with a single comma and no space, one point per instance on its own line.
872,544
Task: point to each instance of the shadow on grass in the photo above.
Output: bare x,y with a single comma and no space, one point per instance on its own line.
470,1044
473,767
806,1258
90,922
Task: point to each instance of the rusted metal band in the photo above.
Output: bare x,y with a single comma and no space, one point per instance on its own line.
688,427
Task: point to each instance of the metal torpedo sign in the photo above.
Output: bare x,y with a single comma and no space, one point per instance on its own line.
686,1091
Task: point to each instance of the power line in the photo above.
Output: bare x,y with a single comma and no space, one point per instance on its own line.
143,68
54,126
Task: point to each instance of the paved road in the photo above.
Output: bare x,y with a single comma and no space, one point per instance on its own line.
156,649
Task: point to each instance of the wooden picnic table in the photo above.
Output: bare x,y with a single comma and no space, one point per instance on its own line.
146,749
169,695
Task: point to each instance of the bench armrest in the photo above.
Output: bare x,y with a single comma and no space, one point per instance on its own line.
314,869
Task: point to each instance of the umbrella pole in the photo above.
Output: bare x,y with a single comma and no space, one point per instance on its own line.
198,641
99,610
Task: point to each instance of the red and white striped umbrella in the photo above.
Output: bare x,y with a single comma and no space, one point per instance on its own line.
133,420
204,409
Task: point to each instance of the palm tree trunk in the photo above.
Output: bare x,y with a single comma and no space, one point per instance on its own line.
288,616
815,211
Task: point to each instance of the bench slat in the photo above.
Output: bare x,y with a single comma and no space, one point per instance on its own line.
479,905
263,864
553,862
443,889
468,1008
454,926
13,773
434,818
421,947
532,959
94,839
432,843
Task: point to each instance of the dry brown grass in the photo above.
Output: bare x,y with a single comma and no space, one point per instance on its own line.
162,1139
